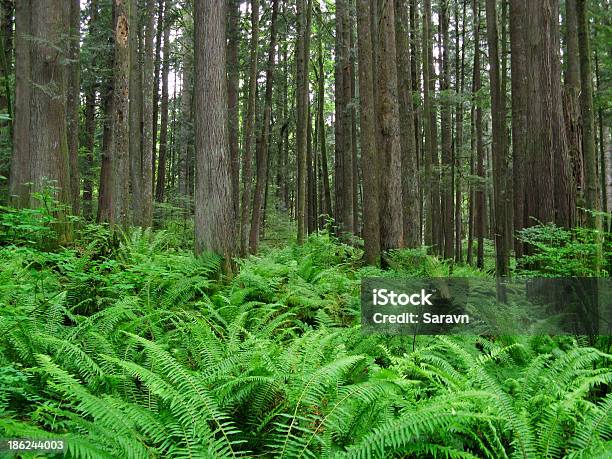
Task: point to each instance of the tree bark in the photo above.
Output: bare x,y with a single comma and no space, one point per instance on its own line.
369,156
446,138
459,142
571,97
159,29
302,64
431,163
247,161
391,225
410,181
519,114
73,91
344,174
480,215
548,186
326,210
160,187
21,158
48,160
591,180
500,166
262,158
120,121
233,79
147,116
136,115
214,211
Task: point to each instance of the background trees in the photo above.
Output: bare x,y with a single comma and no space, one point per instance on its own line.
111,93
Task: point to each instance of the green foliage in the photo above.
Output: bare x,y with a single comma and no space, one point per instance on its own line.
129,346
559,252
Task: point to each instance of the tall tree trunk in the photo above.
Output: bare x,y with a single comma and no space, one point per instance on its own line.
430,126
480,215
91,88
120,122
147,116
591,180
160,187
21,159
415,57
302,66
249,131
90,135
185,128
73,91
233,79
519,114
7,8
214,211
46,130
369,156
410,182
344,207
327,208
136,114
310,179
353,116
572,97
391,224
459,142
500,167
158,64
262,159
446,137
548,186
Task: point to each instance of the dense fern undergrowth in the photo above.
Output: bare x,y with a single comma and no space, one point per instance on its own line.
131,347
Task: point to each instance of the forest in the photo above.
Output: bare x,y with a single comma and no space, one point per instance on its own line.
193,193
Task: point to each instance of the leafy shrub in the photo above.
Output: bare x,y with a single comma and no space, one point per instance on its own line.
559,252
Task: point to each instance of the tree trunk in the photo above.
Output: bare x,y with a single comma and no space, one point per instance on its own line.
21,159
430,126
519,114
262,159
591,194
247,161
369,154
47,162
500,167
185,129
410,181
160,187
446,138
233,79
480,215
120,113
136,115
73,91
344,172
326,210
548,186
214,211
459,142
571,97
158,64
6,64
302,64
147,116
391,225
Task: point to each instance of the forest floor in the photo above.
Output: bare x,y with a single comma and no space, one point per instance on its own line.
133,347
